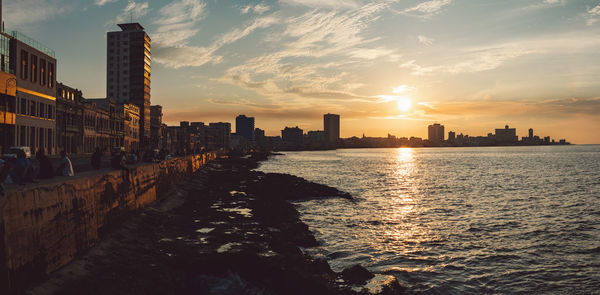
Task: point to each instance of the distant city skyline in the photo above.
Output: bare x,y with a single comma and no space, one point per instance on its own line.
384,66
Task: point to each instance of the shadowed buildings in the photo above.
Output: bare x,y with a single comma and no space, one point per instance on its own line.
293,138
506,135
244,126
331,126
69,116
435,133
218,136
128,71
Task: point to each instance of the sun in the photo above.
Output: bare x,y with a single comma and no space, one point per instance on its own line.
404,104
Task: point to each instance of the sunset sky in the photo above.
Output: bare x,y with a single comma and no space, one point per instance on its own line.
385,66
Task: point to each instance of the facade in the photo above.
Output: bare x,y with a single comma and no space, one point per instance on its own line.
435,133
506,135
331,125
69,119
451,136
7,110
156,131
34,66
96,127
293,138
128,72
218,136
244,126
130,126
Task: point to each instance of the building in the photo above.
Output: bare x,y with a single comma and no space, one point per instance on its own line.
530,133
316,140
156,131
293,138
130,135
69,119
331,126
244,126
128,71
8,83
435,133
34,66
218,136
96,127
451,136
506,135
115,120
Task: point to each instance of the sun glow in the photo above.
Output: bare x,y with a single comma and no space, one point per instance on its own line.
404,104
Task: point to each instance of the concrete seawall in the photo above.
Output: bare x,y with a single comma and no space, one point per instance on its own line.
44,226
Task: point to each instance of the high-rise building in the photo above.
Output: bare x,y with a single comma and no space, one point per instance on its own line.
506,135
451,136
331,126
530,133
218,136
244,126
128,71
435,133
292,137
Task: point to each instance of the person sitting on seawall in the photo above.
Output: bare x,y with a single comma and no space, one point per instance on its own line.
46,170
96,159
65,168
118,162
5,168
22,171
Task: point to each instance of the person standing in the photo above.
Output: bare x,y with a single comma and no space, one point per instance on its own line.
96,159
46,170
65,168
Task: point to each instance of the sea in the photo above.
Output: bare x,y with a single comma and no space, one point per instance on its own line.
499,220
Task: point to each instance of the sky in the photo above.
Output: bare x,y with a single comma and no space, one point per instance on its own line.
386,66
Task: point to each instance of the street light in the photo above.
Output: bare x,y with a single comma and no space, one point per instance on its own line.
9,81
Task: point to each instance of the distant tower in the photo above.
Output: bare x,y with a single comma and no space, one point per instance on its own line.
128,71
435,133
530,132
331,125
244,126
451,136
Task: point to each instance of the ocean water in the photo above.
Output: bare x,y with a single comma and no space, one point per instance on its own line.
460,220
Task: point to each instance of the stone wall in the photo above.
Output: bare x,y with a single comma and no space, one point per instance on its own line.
43,226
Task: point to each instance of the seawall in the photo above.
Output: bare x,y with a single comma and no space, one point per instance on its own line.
44,226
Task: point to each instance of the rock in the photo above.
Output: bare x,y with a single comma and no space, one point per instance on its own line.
357,275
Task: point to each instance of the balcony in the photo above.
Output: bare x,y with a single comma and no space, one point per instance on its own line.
33,43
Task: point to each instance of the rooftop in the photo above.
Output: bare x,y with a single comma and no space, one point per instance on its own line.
33,43
131,27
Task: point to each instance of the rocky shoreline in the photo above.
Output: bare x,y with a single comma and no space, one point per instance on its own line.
227,230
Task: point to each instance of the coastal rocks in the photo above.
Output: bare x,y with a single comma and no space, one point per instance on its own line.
234,232
356,274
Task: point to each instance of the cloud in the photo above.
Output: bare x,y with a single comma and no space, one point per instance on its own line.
182,55
103,2
258,8
323,3
19,14
593,15
177,22
428,8
425,40
133,10
315,38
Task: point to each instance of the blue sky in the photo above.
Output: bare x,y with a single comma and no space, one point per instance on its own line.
472,65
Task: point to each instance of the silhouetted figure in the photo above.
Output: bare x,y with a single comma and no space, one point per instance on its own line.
22,171
96,159
5,168
65,168
46,170
118,162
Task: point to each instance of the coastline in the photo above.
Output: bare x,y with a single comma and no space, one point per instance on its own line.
227,230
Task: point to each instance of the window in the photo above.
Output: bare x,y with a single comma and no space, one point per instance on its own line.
23,109
34,69
42,110
42,72
50,112
24,64
51,75
32,108
23,136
